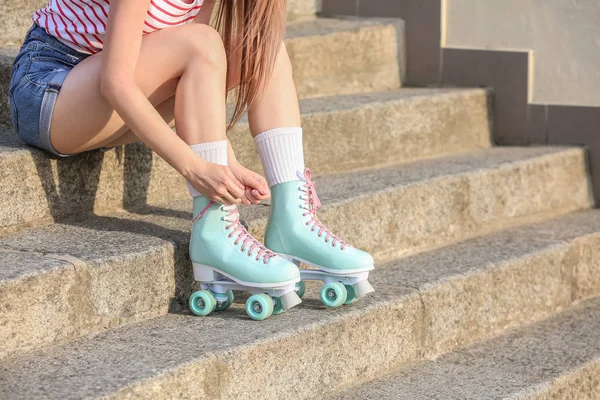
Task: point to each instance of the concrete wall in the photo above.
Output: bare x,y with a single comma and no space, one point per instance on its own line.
563,35
541,57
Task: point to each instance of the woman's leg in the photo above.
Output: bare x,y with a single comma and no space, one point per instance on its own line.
279,105
179,68
275,122
294,229
166,109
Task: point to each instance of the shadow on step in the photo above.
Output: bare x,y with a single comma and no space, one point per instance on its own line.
77,187
85,182
139,242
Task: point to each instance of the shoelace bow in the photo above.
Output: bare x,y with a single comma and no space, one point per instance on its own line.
312,204
233,216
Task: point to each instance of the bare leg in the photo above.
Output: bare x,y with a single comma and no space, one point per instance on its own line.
166,109
279,105
179,69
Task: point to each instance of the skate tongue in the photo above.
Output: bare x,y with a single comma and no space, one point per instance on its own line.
314,203
204,211
313,199
233,217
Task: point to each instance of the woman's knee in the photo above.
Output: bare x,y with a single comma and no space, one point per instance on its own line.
205,44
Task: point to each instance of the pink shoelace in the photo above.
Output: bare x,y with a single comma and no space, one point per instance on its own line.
233,216
312,204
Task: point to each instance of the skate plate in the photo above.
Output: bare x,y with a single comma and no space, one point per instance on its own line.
220,282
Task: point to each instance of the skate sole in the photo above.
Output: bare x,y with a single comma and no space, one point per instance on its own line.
339,272
208,275
358,280
216,287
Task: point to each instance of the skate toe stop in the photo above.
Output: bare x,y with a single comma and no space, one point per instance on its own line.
289,300
362,288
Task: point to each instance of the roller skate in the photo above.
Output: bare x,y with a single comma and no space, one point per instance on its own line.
296,234
225,257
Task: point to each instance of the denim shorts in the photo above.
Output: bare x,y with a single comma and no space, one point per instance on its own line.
37,75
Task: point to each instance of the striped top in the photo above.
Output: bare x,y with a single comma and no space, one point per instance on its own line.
81,24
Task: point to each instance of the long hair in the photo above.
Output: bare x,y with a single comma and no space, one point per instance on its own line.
251,30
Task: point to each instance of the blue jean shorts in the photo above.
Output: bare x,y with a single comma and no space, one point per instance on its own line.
37,75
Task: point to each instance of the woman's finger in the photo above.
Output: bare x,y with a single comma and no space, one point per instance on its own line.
251,196
245,199
232,198
260,189
260,196
221,200
232,193
239,184
235,191
259,183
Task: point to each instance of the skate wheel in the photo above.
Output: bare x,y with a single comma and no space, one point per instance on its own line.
278,306
351,296
202,303
301,288
259,306
222,305
333,294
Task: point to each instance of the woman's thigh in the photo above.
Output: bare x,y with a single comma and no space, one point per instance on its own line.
83,120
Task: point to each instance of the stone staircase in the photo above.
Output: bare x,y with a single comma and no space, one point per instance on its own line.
488,258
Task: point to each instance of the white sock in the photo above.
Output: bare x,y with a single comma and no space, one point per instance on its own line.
281,153
214,152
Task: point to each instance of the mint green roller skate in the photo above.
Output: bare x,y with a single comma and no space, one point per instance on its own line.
226,257
296,234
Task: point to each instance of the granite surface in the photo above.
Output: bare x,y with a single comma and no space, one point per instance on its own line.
555,359
135,265
367,130
311,350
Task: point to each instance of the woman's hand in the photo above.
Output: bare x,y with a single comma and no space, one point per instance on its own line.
217,182
255,186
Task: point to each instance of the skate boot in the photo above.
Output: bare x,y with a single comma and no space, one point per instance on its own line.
295,233
226,257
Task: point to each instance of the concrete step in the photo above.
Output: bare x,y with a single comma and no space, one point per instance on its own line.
302,9
7,56
365,130
337,56
555,359
15,18
99,271
424,305
329,57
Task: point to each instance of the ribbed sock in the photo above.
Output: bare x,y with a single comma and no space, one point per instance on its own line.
281,153
214,152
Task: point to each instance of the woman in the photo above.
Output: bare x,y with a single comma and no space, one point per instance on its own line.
94,74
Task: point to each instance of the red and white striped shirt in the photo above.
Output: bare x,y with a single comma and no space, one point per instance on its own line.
81,24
